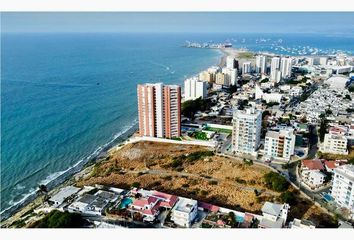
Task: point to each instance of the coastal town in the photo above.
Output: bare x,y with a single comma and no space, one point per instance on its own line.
259,141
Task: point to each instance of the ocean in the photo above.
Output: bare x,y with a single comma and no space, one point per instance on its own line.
66,97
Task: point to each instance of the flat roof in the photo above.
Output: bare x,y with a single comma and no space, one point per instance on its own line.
272,208
64,193
185,204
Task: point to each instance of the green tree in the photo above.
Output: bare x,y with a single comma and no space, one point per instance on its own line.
275,182
323,127
288,197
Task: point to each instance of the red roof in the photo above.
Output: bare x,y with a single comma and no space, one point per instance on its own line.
208,206
168,200
141,202
334,164
312,164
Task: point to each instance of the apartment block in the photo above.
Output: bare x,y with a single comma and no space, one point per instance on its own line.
193,89
159,110
342,188
334,143
279,145
246,132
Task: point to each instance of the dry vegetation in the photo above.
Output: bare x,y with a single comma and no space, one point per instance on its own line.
188,171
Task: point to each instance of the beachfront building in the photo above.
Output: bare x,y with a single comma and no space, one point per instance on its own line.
246,131
184,212
231,62
285,67
246,67
222,79
335,144
159,110
279,145
274,215
193,89
261,64
274,68
230,75
342,188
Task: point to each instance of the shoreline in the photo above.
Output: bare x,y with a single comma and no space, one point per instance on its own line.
13,213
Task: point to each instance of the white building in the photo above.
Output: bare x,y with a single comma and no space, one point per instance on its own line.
295,91
334,143
285,67
274,66
279,145
301,224
261,64
311,173
231,75
274,215
342,188
184,212
246,67
230,62
272,97
65,193
246,134
193,89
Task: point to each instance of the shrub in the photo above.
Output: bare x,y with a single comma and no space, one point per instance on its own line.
275,182
57,219
288,197
135,185
213,182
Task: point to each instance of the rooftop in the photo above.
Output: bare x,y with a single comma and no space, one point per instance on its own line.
313,164
185,204
64,193
272,208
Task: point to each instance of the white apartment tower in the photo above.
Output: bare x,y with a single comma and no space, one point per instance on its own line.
342,187
279,145
246,67
261,64
193,89
285,67
246,133
231,75
159,110
274,67
335,144
230,62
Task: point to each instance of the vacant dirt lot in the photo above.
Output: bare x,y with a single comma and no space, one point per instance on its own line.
192,171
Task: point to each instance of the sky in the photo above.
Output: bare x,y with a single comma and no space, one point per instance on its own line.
336,23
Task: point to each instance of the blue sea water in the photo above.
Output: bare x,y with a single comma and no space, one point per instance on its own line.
67,96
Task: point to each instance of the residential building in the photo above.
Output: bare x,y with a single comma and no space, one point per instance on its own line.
246,67
148,207
279,145
274,67
274,215
231,62
261,64
193,89
342,187
95,204
301,224
246,133
222,79
285,67
206,76
230,75
335,144
64,194
311,173
184,212
159,110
